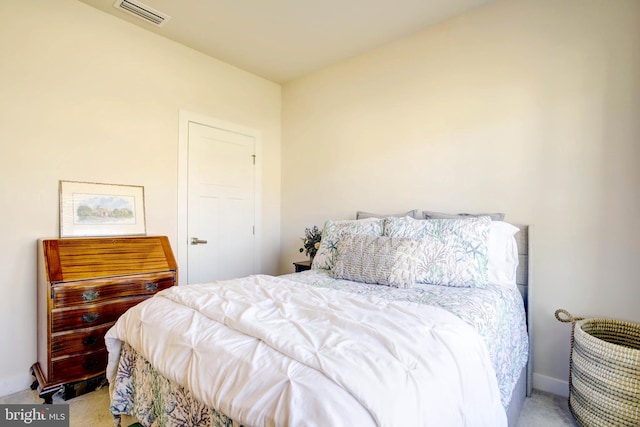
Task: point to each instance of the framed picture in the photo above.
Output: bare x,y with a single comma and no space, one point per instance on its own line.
94,209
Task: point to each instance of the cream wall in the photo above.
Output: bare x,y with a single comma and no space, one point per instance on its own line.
88,97
527,107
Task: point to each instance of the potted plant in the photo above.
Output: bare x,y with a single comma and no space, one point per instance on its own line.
311,241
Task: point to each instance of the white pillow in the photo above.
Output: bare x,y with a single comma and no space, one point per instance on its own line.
502,253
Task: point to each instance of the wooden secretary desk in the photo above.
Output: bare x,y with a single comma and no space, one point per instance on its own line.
84,285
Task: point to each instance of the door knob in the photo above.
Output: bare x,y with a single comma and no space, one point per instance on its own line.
196,241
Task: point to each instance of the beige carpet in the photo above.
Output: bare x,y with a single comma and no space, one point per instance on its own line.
92,409
544,409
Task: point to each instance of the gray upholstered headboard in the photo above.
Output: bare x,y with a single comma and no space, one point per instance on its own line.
522,279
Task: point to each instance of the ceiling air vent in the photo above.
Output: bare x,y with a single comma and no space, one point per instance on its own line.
142,11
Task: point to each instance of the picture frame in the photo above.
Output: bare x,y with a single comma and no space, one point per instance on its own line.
97,209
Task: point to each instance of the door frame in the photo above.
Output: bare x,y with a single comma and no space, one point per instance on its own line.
185,118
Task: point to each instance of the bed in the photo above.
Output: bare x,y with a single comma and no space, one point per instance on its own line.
363,338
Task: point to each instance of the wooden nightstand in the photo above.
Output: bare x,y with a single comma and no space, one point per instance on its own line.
302,265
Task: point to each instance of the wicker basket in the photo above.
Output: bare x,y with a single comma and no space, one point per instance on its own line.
604,375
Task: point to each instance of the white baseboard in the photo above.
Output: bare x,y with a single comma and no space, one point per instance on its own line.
551,385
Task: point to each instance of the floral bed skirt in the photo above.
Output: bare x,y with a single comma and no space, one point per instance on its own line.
141,392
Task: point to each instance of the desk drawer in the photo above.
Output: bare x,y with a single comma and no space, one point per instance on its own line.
90,314
78,341
80,367
100,290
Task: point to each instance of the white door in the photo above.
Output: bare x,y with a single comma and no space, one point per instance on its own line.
221,203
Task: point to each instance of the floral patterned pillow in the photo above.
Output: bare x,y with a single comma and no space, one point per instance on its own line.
453,252
333,230
381,260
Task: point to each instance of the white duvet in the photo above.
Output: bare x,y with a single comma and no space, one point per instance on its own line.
267,351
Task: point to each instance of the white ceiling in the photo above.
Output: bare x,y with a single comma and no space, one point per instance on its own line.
284,39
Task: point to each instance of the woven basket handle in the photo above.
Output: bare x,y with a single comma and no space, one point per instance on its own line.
569,317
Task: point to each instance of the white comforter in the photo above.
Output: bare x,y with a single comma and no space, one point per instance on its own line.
267,351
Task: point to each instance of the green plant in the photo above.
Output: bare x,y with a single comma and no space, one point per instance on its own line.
311,241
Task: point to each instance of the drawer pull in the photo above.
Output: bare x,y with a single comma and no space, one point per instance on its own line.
89,364
90,295
90,340
151,286
90,317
